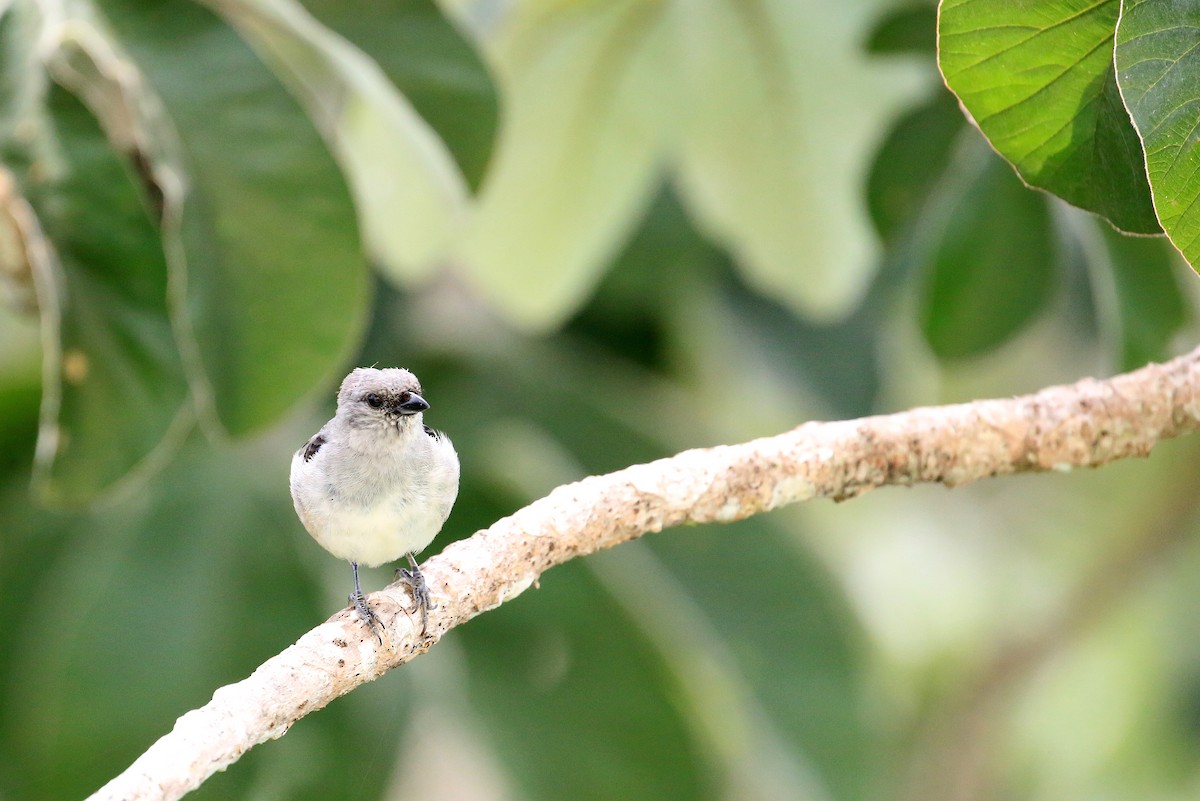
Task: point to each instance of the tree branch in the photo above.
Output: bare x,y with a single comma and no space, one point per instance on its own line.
1086,424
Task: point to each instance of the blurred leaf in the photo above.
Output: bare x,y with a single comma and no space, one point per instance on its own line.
625,315
435,67
991,270
1038,79
603,98
156,602
760,167
410,195
911,164
115,389
1140,299
1157,65
951,210
579,705
268,282
777,614
577,158
909,29
19,411
1152,306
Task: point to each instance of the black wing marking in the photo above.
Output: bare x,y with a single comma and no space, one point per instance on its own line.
314,445
435,434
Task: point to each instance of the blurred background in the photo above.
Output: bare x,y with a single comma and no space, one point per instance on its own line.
600,233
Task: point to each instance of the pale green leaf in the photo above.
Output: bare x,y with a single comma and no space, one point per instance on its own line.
577,158
772,151
409,193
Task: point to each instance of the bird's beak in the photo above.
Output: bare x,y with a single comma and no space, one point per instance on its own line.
414,404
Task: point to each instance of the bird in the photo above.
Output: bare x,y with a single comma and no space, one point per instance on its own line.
376,483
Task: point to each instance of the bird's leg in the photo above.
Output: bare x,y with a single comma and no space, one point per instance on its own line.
359,602
420,593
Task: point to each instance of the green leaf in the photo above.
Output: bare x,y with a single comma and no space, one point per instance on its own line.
431,63
411,197
771,610
268,287
760,167
1157,68
991,269
566,654
169,575
911,29
1039,81
1139,300
911,164
578,157
116,398
602,100
1151,304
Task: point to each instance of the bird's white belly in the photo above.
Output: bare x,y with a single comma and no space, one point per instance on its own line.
378,534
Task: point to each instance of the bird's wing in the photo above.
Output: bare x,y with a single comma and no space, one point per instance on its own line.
314,445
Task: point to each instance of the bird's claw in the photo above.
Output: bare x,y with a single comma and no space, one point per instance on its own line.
420,592
359,602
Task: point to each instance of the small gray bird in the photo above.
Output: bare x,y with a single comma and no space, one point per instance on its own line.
375,483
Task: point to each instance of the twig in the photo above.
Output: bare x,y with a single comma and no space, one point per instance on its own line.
1086,424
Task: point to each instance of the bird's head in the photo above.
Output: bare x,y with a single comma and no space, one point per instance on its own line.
387,399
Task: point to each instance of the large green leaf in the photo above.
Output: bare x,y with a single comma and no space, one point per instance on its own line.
115,392
435,67
1157,67
1038,79
268,282
411,197
578,156
770,151
603,99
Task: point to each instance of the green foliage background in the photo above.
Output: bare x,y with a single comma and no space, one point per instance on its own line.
600,232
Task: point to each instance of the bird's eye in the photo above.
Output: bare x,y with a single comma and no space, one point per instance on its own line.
374,401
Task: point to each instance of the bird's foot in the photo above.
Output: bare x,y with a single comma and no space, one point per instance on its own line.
420,592
359,602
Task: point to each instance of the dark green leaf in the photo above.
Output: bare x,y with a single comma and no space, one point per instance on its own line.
911,29
1158,61
274,288
410,196
992,268
580,705
779,616
1150,307
118,392
910,165
1038,79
